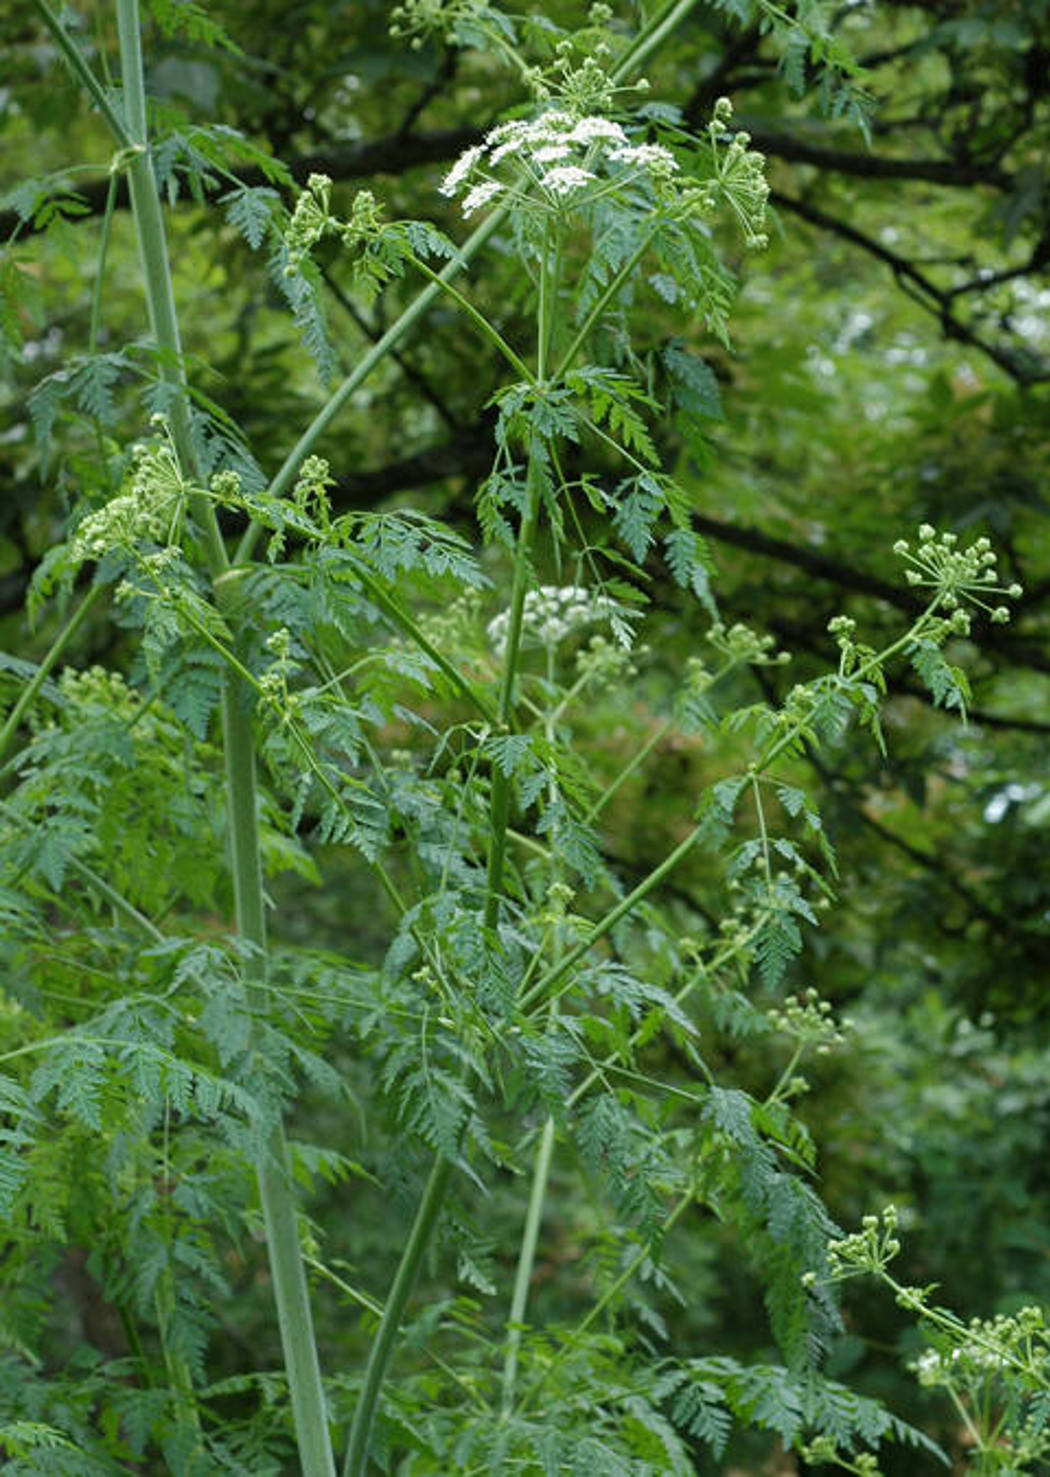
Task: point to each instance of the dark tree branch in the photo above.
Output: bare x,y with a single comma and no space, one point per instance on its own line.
953,173
926,294
821,566
441,79
741,48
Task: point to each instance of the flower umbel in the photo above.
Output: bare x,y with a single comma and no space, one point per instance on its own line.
562,153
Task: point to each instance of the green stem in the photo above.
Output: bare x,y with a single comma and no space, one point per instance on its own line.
274,1174
98,884
434,1193
666,20
356,1462
606,924
639,1034
46,667
153,250
488,329
499,806
389,606
83,73
556,974
526,1261
286,475
609,1296
613,287
629,768
437,1183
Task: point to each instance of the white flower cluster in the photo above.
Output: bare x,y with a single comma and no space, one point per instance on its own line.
551,614
559,152
933,1368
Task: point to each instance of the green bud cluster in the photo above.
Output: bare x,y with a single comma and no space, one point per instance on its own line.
938,563
584,88
416,20
312,219
741,644
740,173
309,222
603,663
871,1249
808,1019
147,510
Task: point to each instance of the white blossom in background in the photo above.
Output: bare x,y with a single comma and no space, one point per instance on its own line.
562,154
553,613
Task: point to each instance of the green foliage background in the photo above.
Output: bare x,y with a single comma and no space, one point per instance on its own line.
887,366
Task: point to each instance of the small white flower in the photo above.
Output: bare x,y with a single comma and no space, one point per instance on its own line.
480,195
459,171
589,130
551,153
509,146
653,157
565,178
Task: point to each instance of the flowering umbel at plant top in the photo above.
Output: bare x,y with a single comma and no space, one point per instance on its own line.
573,159
566,172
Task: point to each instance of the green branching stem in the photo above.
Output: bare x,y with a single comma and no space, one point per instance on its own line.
404,622
666,19
499,808
610,290
286,475
610,1295
544,1150
499,813
102,889
708,970
487,329
429,1209
556,976
631,767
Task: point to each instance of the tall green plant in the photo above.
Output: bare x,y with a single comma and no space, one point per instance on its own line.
367,685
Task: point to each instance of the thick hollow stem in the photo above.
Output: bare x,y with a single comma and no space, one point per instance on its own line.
278,1205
